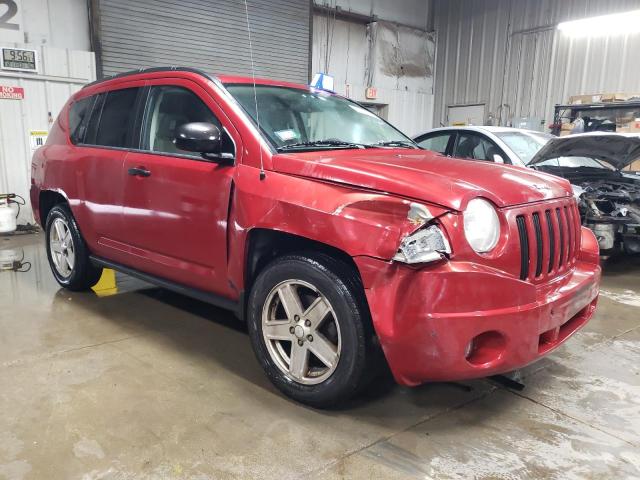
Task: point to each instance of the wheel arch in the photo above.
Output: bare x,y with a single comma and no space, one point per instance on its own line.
47,200
264,245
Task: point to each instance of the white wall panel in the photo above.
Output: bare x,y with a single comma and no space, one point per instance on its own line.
55,23
502,52
359,56
62,72
59,31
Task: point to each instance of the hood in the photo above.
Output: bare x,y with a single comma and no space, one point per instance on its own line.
617,149
425,176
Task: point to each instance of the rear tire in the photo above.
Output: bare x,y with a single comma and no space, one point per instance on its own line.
67,252
316,344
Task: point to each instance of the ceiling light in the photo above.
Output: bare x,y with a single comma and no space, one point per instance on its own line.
605,25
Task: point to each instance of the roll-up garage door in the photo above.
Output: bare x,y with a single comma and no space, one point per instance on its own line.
206,34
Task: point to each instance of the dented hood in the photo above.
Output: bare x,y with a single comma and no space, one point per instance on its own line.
617,149
425,176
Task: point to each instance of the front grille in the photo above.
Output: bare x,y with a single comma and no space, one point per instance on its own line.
549,237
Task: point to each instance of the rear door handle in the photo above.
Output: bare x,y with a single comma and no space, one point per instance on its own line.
139,172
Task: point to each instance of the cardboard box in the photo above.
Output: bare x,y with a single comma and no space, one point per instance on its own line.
619,97
629,127
582,99
603,97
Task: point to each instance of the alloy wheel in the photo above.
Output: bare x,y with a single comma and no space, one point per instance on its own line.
301,332
61,247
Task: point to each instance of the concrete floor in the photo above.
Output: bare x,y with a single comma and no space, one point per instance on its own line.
147,384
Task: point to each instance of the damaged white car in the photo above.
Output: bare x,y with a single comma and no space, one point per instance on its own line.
608,196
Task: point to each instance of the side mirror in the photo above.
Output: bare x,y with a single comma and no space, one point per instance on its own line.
203,138
498,158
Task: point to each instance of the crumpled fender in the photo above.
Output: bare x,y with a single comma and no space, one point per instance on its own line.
356,221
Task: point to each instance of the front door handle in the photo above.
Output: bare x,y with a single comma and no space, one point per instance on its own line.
139,172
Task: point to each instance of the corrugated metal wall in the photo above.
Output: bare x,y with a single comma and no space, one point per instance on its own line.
61,73
211,35
509,52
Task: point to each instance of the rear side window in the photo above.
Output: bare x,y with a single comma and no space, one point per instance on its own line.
78,119
436,142
475,147
112,118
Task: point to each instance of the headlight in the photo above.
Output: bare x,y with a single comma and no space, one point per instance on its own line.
481,225
425,245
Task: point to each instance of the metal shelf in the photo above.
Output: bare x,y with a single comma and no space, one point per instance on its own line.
560,111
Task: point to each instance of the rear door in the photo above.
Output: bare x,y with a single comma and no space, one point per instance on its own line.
102,138
176,203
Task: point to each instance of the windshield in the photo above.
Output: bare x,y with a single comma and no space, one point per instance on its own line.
296,119
575,162
524,145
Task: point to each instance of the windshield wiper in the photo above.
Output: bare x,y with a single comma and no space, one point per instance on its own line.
320,144
394,143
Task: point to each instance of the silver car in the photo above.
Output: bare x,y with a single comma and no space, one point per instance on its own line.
512,146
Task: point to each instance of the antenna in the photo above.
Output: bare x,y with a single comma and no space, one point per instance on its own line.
255,94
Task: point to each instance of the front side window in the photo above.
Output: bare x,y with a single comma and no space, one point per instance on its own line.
436,142
78,118
112,118
168,108
476,147
293,118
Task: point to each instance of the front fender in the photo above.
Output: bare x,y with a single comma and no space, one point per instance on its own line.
356,221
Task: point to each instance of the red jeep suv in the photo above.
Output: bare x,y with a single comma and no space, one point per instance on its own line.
328,230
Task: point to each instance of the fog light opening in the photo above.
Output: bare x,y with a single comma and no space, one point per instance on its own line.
485,349
469,349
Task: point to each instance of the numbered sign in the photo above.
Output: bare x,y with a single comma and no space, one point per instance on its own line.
19,59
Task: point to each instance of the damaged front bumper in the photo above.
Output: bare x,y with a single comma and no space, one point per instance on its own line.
461,320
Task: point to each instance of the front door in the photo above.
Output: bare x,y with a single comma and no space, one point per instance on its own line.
176,203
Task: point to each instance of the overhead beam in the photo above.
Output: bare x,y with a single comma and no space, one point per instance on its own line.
342,14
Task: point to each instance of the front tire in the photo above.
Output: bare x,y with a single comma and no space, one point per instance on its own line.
310,329
67,252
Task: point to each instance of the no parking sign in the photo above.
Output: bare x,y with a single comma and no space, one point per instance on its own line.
11,93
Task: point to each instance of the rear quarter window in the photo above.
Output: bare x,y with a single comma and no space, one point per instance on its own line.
78,119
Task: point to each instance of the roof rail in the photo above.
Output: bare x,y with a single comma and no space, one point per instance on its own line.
151,70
